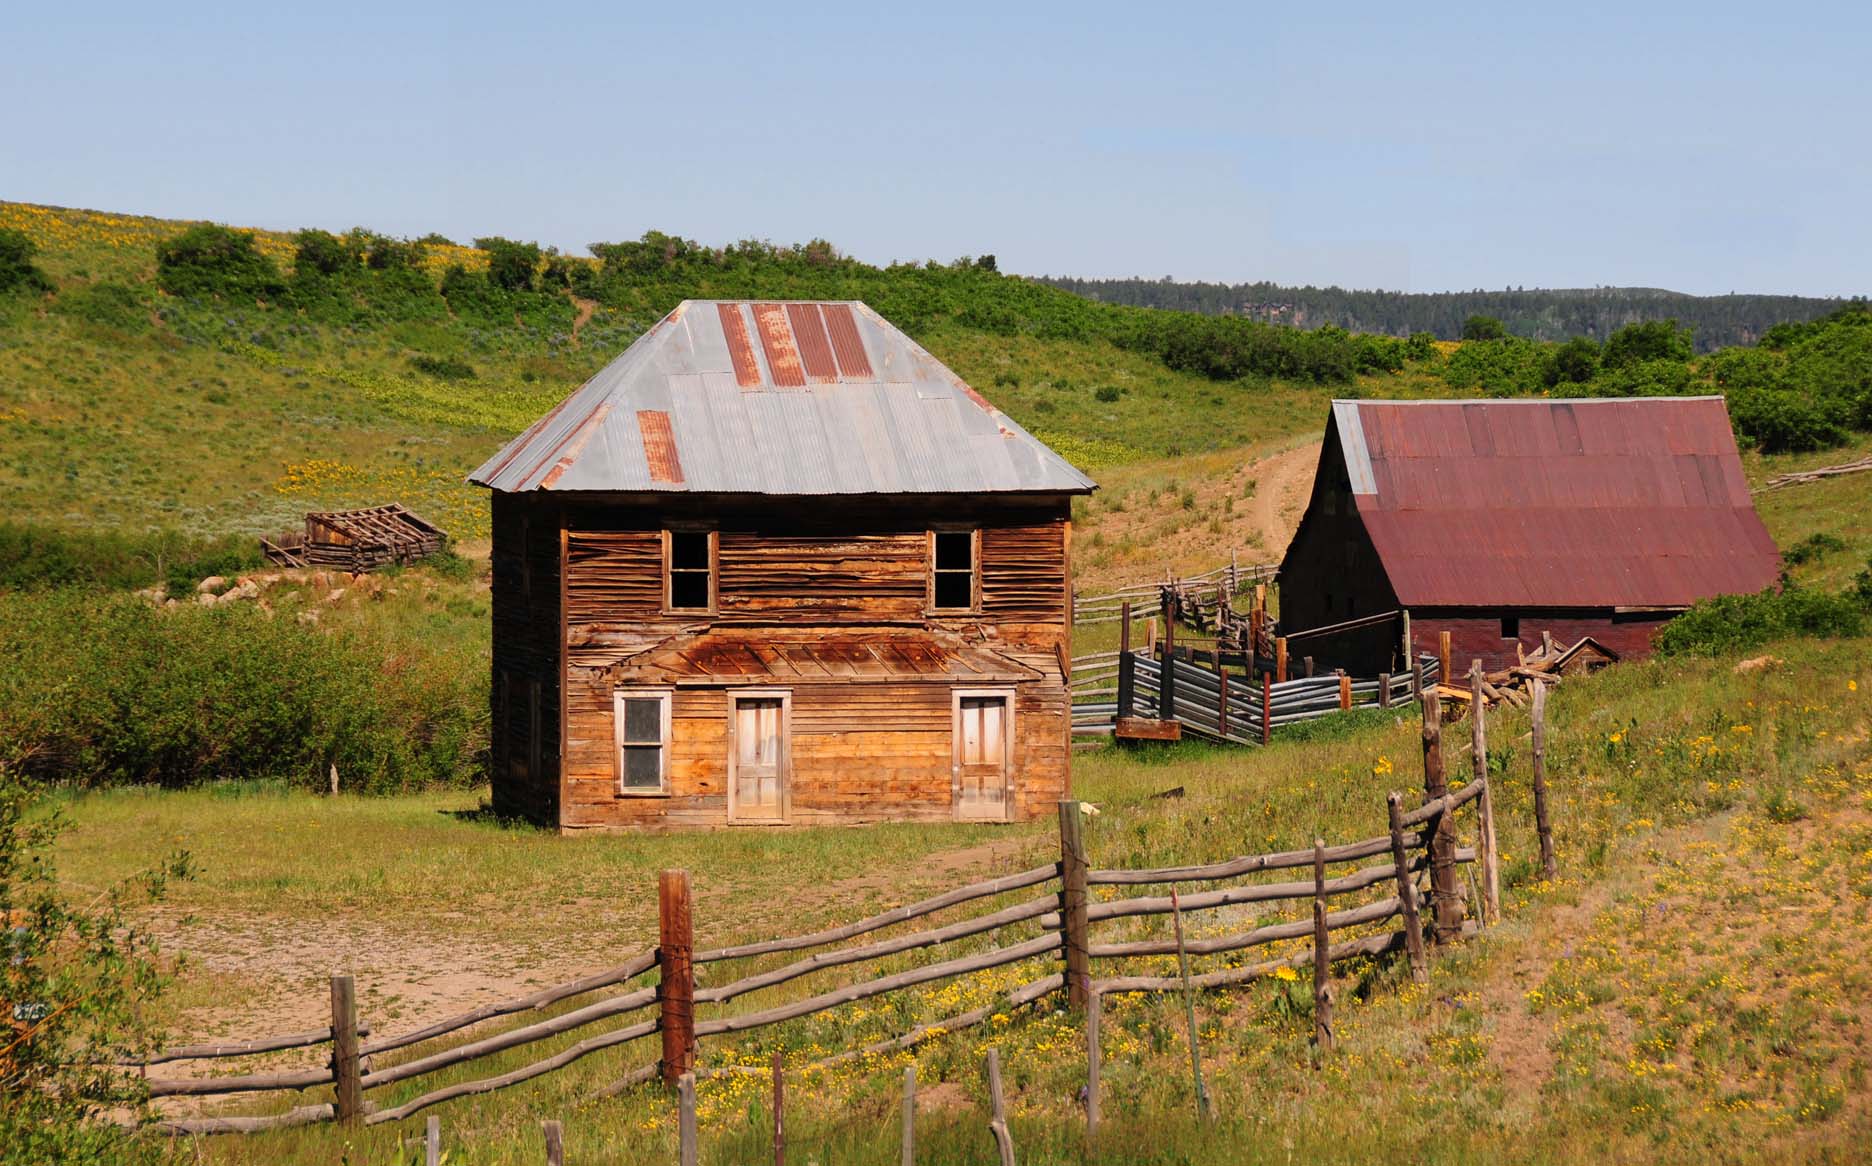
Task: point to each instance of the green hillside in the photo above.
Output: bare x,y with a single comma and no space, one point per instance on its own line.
235,384
160,375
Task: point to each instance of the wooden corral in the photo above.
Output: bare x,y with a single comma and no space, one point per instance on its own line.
1493,522
357,540
752,600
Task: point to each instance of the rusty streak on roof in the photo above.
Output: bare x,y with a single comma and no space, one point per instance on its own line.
1554,503
831,400
659,445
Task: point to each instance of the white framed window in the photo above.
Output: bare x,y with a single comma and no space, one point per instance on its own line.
955,557
641,725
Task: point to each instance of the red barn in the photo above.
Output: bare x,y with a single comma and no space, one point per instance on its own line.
1498,520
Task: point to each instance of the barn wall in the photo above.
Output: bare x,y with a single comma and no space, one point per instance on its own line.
1477,634
861,751
1331,573
525,599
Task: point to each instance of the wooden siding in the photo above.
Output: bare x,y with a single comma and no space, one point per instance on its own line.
861,751
525,602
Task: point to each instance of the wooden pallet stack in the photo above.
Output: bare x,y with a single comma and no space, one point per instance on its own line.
1550,665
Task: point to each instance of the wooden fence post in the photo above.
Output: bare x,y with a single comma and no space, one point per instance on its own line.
1166,676
779,1112
1444,899
676,982
347,1077
1406,653
1094,1055
1307,667
1150,636
997,1125
1345,691
909,1116
1407,892
685,1120
1542,824
1189,1003
1416,680
1280,658
1267,707
1073,907
1442,656
1485,804
555,1143
1124,626
1384,690
432,1142
1322,955
1127,686
1222,699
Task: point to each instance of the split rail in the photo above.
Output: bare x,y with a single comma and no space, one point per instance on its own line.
1071,927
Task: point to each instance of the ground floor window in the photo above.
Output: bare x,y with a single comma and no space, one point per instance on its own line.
642,726
1511,627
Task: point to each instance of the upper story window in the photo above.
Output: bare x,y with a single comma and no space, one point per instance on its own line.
689,570
954,555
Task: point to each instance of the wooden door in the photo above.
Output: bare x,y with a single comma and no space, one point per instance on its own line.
983,746
759,744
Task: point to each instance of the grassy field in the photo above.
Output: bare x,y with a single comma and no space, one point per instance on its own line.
1690,990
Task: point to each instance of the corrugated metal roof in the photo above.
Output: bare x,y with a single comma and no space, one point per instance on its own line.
1555,503
800,398
743,656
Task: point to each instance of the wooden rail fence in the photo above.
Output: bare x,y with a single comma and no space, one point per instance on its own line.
1395,891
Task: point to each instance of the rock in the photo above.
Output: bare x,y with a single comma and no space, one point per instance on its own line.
211,584
334,595
205,598
154,594
308,617
1758,663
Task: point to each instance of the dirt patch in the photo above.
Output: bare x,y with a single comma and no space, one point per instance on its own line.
1186,516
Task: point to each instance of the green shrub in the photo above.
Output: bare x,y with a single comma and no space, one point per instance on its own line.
1812,548
1506,367
442,367
212,260
1483,328
1783,421
323,253
38,557
511,266
1648,340
1107,394
107,690
77,982
1730,623
1573,363
17,272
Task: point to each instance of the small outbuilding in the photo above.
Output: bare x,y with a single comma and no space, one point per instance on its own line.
776,564
1496,521
357,540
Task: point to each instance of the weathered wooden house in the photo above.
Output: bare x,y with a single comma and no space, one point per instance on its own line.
776,564
1498,520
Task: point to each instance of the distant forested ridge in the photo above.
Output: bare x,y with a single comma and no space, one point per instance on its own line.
1533,313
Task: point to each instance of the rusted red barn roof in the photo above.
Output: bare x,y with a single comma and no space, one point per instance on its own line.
1554,503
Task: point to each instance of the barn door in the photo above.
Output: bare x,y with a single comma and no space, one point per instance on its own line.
984,723
759,754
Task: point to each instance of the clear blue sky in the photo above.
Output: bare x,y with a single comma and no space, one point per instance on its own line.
1702,147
